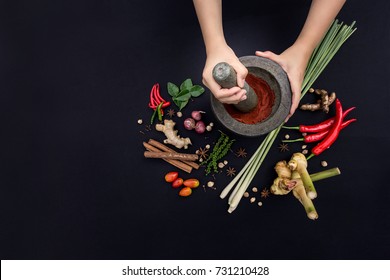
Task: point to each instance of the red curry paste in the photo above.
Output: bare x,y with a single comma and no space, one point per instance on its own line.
263,109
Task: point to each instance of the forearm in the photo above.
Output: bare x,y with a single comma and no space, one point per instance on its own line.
209,14
320,17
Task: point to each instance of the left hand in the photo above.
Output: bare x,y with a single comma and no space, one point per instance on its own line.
294,61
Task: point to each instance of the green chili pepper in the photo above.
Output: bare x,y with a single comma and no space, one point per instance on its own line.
158,112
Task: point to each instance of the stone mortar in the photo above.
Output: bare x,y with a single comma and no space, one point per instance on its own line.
277,79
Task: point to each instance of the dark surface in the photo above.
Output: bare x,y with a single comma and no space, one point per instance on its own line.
75,77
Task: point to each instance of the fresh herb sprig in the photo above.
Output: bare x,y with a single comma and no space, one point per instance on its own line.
181,95
221,148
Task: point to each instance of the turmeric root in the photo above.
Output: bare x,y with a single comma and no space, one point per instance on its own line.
172,137
323,103
298,162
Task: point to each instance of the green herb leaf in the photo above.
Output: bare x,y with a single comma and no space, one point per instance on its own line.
183,97
187,84
183,104
196,91
177,102
173,90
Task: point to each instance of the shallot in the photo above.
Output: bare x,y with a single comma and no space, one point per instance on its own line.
197,115
189,124
200,127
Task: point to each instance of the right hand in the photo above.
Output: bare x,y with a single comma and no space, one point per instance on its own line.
225,54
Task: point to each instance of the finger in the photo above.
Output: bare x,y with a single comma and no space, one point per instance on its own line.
241,71
272,56
235,98
296,96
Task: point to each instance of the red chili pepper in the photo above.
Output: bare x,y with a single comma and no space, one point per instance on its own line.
156,93
325,125
333,133
166,104
310,138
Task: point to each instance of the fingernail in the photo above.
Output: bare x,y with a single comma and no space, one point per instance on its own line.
243,97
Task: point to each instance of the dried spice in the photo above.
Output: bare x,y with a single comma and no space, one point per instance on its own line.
241,153
265,193
283,147
171,113
203,153
231,172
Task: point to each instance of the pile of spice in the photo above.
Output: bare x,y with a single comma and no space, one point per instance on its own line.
262,111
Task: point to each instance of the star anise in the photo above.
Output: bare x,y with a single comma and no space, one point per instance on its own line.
241,153
283,147
203,153
264,193
231,172
171,113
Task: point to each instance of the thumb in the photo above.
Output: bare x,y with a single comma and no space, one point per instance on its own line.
270,55
296,95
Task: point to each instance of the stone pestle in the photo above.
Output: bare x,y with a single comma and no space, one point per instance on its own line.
225,75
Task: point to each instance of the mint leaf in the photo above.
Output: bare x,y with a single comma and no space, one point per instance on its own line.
187,84
196,91
173,90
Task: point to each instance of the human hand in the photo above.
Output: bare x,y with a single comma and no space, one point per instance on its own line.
294,61
223,53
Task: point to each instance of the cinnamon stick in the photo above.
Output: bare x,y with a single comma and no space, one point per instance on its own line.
181,165
164,148
169,155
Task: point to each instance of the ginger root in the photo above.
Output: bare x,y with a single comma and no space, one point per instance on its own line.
172,137
282,184
323,103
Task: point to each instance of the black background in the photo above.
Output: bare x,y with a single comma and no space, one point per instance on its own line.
74,80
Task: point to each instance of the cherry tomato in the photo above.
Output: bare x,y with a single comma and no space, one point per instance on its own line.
171,176
177,183
186,191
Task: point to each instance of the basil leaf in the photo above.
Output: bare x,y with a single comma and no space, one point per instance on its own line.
187,84
173,90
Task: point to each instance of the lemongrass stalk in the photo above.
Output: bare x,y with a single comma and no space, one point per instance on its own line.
325,174
237,198
227,189
256,158
248,170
